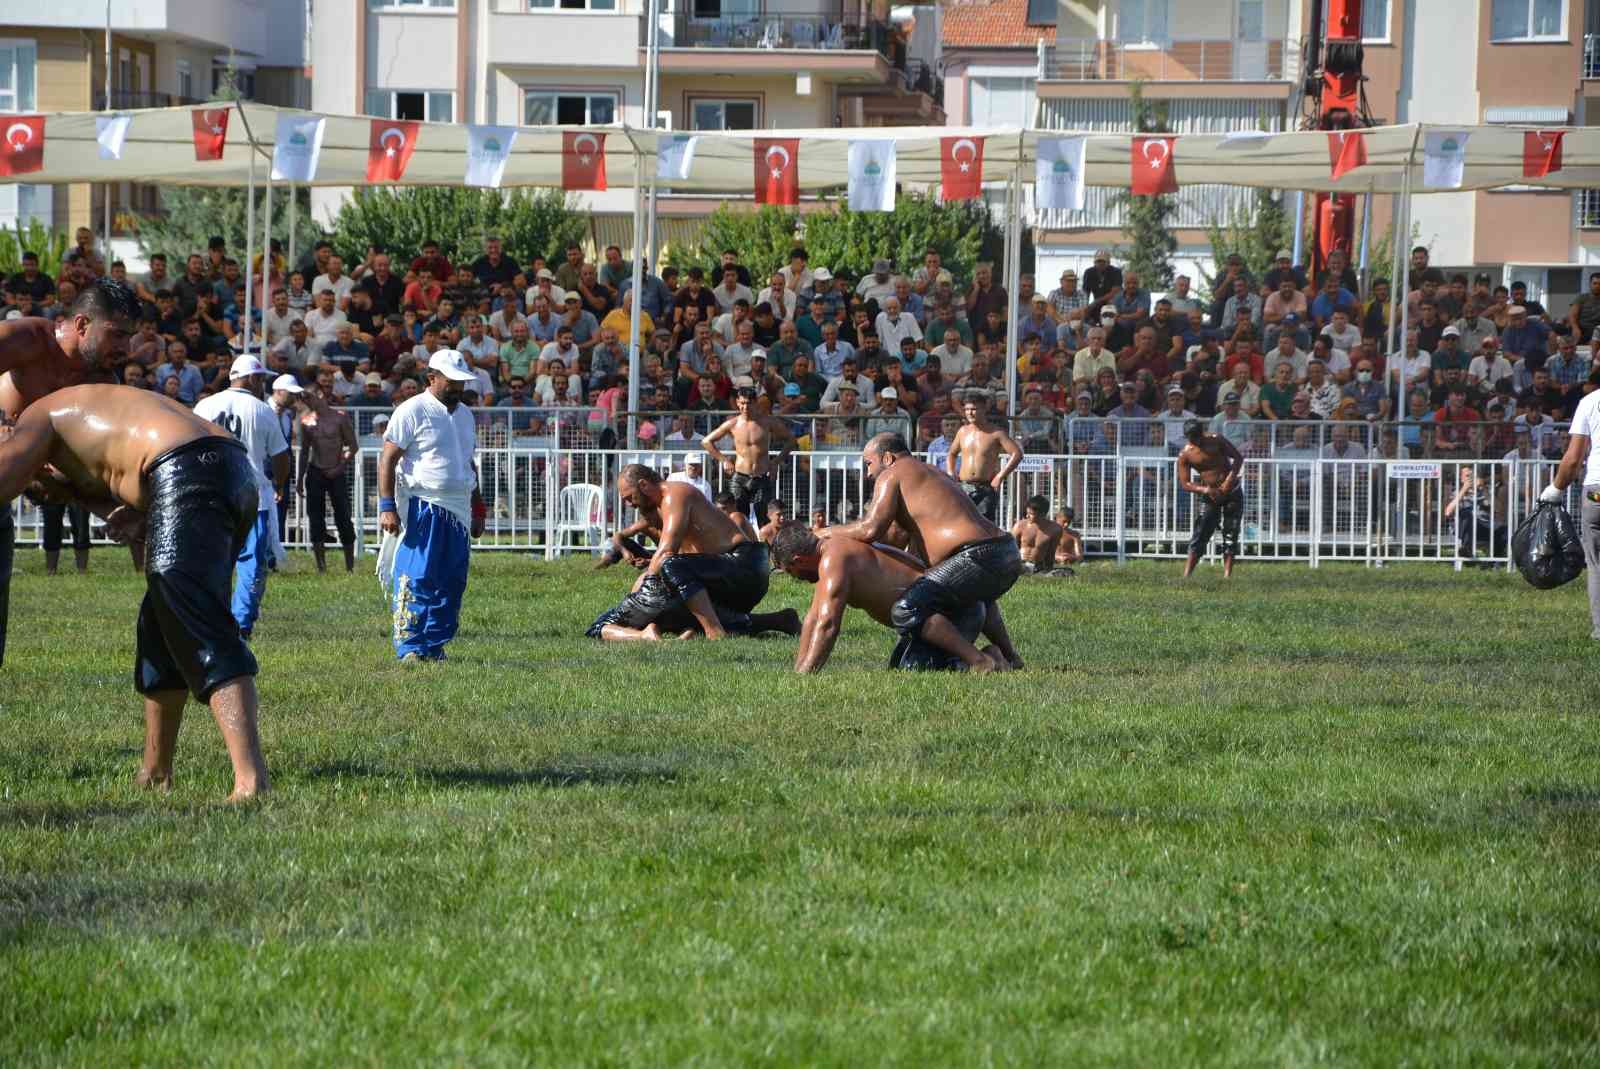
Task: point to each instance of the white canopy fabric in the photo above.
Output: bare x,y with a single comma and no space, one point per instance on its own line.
159,149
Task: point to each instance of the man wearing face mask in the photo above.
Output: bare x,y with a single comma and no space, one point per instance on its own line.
1371,399
428,502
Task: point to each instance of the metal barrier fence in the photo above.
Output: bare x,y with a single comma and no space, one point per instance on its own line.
546,498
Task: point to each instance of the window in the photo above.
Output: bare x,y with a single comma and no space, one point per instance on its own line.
185,80
1528,20
1000,101
1143,22
572,5
723,114
545,107
410,3
1041,12
412,104
17,62
735,10
1374,19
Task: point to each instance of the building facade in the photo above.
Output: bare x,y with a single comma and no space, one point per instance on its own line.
163,52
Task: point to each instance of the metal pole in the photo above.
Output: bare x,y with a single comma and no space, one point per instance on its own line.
266,264
1366,237
108,109
294,208
652,105
638,284
1299,224
1397,287
249,235
1013,269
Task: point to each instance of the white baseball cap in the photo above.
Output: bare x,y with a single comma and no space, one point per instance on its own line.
696,459
247,365
889,391
452,365
822,274
1450,332
287,383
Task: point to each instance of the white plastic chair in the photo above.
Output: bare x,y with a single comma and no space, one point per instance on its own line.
805,35
772,35
835,37
581,510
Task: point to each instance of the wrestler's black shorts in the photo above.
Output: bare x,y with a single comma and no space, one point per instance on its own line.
917,655
8,545
654,602
1228,513
977,573
734,580
201,502
986,497
753,492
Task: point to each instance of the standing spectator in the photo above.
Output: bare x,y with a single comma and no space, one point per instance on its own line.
335,280
494,267
327,446
1102,279
985,295
388,291
189,288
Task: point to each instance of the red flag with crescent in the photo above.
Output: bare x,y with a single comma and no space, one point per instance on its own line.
210,133
777,170
1347,150
389,147
961,167
583,161
1153,170
1541,152
23,149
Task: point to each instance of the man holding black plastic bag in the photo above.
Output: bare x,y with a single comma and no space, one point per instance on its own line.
1583,457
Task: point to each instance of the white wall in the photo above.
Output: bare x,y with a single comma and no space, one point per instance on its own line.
564,38
165,74
333,89
414,49
1439,86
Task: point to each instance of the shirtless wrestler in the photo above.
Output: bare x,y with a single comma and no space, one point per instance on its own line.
752,465
1209,465
1069,550
124,451
1037,536
975,455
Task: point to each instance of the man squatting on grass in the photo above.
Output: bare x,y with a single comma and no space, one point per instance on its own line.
140,459
972,561
871,578
1582,459
705,573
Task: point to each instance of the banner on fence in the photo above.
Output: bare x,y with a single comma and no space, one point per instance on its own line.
1415,469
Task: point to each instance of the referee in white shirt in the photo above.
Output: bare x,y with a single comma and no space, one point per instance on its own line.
1583,457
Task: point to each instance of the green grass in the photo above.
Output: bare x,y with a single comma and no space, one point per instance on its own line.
1342,816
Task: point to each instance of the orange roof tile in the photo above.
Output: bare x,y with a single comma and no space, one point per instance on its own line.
992,24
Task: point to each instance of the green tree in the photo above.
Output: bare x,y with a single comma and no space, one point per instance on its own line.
193,214
1146,219
532,222
1255,233
763,237
49,245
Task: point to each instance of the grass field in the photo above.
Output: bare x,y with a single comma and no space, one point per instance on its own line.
1347,816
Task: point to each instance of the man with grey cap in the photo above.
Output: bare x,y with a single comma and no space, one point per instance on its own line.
241,412
878,285
428,502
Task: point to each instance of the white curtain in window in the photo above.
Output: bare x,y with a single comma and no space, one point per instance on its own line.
1143,21
1002,101
17,61
1512,19
1375,19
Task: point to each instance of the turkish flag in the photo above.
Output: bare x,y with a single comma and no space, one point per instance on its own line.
210,133
961,167
1347,150
583,161
1541,152
23,149
390,143
1153,171
777,170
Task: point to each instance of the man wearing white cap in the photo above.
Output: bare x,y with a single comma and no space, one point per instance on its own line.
286,408
694,473
241,412
428,502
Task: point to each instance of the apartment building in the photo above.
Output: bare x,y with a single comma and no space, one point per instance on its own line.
724,64
163,52
1219,65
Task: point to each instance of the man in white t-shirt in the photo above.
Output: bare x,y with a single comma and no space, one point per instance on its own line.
337,281
279,316
1582,462
241,412
694,473
324,319
428,502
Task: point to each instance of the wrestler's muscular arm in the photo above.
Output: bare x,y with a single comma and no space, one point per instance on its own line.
952,456
779,430
1186,478
25,450
1013,458
820,631
388,462
1235,465
674,525
709,443
27,341
880,514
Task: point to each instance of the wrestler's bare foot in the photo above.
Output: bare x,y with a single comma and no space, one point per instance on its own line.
999,659
154,779
651,632
688,633
242,793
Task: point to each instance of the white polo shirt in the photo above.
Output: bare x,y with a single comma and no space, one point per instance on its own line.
1586,420
438,446
256,427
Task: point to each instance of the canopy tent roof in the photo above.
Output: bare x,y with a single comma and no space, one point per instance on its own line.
159,149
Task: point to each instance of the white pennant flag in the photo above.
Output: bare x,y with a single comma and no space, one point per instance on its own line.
296,148
1244,140
1444,159
674,157
1058,173
111,131
872,176
488,149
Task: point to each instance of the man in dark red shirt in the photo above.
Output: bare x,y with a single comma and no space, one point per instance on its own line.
390,345
986,296
431,259
1454,424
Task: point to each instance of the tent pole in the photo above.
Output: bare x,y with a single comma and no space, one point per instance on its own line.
294,207
638,303
249,239
108,189
1013,270
264,298
1363,271
652,105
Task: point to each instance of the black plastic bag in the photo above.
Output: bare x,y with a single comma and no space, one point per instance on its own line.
1546,547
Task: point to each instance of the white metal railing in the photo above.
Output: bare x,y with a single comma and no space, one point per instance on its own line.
1179,59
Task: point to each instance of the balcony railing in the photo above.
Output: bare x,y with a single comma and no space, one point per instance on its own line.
128,99
920,77
1591,55
1087,59
773,30
1589,209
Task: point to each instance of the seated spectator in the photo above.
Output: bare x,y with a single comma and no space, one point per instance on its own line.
562,349
1233,422
1454,423
335,280
1342,446
1244,354
620,319
912,359
1547,395
323,320
1525,337
1323,391
298,350
345,351
187,379
1036,423
146,348
1285,352
1331,297
782,353
279,316
585,327
1242,302
1239,380
608,359
1283,268
1107,391
135,375
1568,372
1278,395
1475,327
848,376
1371,400
1488,368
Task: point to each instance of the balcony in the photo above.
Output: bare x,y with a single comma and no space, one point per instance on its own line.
1087,59
130,100
836,31
1591,55
1589,209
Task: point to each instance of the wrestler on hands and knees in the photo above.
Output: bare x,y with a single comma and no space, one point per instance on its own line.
974,456
38,358
872,578
1209,465
138,458
751,465
705,573
972,562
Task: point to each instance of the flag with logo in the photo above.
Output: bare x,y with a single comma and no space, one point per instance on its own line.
390,143
872,176
23,150
1153,170
583,161
111,131
777,170
488,149
297,147
1444,159
1058,173
1541,152
674,156
1347,150
210,133
960,167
